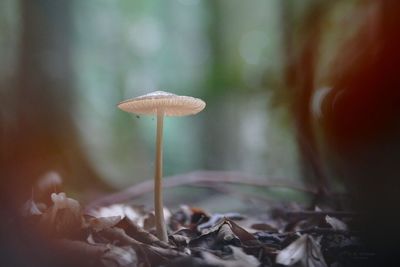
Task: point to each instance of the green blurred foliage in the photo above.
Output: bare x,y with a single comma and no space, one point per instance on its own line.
228,53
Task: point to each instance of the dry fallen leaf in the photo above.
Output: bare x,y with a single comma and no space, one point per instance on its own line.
136,214
245,237
314,255
294,252
336,223
305,249
64,217
138,233
98,224
226,236
133,213
237,259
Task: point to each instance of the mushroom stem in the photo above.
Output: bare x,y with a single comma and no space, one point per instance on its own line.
158,197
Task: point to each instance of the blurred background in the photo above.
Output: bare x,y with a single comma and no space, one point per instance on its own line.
66,64
303,91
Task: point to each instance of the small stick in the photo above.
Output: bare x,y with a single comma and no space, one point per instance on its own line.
194,178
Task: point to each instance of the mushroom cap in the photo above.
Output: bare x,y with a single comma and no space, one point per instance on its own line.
167,103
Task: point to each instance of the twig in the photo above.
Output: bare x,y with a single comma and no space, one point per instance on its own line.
235,193
194,178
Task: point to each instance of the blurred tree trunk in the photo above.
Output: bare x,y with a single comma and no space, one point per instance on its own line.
214,129
360,128
38,130
300,51
38,133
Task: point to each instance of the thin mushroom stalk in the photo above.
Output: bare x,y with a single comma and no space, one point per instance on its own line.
158,196
161,104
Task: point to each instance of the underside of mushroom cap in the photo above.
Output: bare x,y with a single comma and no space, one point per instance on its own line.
166,103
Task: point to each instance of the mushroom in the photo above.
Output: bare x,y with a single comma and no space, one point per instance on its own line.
161,104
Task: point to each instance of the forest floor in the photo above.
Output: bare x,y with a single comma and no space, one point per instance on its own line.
121,234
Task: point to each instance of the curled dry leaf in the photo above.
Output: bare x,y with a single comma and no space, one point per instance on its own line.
294,252
64,217
209,237
61,201
217,218
133,213
272,240
314,255
156,255
210,228
305,249
204,241
335,223
138,233
226,236
98,224
225,232
245,237
179,240
136,214
189,233
237,259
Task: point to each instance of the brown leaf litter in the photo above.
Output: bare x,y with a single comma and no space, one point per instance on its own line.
123,235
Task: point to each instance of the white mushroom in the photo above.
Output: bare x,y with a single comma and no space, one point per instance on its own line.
161,104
